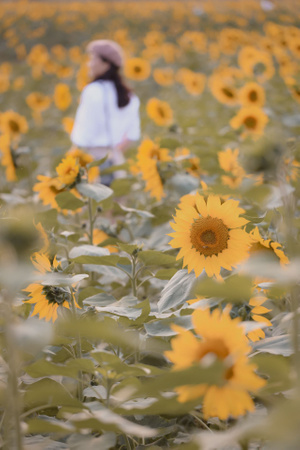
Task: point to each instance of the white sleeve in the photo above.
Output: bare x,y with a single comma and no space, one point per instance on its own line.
134,130
86,121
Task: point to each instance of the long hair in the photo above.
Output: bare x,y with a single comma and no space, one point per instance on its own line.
113,74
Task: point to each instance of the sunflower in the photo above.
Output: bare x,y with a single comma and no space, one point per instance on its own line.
13,124
83,160
148,157
192,164
252,94
18,83
160,112
4,83
223,90
68,170
194,83
137,69
221,336
100,236
256,63
7,159
68,123
209,235
164,77
62,96
257,314
260,244
228,161
252,119
38,101
48,188
47,299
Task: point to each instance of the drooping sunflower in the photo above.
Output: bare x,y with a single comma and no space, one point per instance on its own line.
137,69
68,170
223,90
252,94
160,112
251,119
13,124
48,188
47,299
7,159
221,336
62,96
209,235
84,159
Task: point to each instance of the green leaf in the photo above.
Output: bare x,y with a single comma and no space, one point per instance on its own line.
121,186
277,369
165,274
87,442
43,368
139,212
61,279
48,392
97,192
154,258
235,288
162,327
277,345
98,162
37,426
90,250
128,248
66,200
101,299
176,291
88,293
109,260
104,419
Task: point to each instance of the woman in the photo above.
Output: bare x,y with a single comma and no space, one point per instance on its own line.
107,118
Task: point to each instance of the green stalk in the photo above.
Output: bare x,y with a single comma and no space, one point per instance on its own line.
78,348
133,277
91,220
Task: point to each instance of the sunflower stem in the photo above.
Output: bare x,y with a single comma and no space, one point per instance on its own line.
133,277
12,423
78,348
91,220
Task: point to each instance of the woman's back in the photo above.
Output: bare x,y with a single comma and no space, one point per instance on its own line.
100,122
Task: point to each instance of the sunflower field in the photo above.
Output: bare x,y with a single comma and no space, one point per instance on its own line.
161,311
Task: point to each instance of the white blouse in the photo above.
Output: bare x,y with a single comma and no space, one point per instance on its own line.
99,122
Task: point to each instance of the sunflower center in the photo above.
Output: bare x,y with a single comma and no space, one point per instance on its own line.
137,69
14,126
228,92
155,154
161,112
209,235
253,96
250,122
55,294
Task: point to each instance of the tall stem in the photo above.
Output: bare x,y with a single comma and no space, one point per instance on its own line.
133,277
78,348
14,438
91,220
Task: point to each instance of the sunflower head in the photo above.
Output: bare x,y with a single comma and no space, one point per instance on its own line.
68,170
209,234
137,69
160,112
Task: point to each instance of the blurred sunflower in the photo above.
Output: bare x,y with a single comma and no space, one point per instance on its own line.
62,96
137,69
4,83
260,244
223,90
47,299
83,160
252,120
38,102
221,336
194,83
252,94
160,112
13,124
228,161
209,235
256,63
18,83
7,159
68,170
150,150
48,188
68,123
257,314
164,77
100,236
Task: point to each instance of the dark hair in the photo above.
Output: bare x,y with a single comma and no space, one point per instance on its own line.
113,74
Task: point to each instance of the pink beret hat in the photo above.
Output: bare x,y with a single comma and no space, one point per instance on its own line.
110,50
